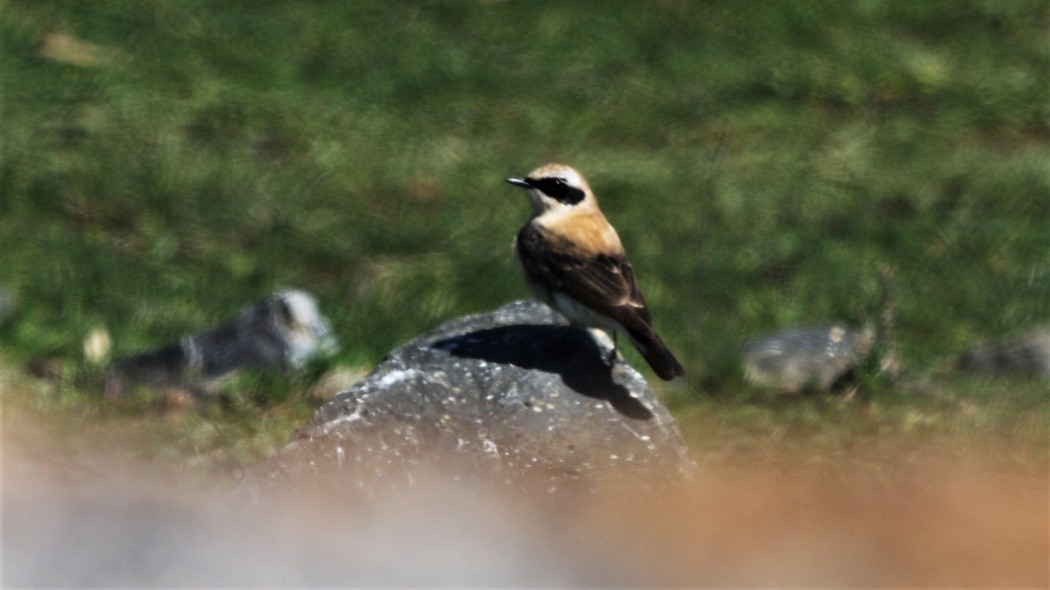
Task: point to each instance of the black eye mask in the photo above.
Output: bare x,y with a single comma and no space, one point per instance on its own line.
556,188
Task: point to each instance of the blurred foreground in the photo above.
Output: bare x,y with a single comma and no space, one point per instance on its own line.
99,520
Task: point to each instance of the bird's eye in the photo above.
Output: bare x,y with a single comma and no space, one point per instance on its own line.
557,188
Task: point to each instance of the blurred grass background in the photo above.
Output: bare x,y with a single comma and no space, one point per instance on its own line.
164,163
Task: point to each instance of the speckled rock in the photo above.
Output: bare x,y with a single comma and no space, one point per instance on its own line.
515,396
806,359
1025,356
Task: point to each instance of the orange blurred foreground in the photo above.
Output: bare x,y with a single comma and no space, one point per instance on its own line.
102,523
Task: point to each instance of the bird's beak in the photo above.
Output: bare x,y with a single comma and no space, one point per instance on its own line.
519,182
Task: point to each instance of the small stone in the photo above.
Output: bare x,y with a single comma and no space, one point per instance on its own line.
806,359
280,333
1024,356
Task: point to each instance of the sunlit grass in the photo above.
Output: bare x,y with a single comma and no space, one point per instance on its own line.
759,161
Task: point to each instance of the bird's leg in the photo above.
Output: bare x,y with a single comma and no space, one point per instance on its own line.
612,355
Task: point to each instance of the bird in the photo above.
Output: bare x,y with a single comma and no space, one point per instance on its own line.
573,260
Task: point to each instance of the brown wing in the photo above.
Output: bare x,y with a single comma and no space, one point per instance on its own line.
603,282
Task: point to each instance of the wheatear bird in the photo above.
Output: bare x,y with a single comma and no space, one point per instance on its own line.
573,261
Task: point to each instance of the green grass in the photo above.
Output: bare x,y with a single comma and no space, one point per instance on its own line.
759,160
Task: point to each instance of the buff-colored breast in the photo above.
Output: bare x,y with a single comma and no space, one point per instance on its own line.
584,233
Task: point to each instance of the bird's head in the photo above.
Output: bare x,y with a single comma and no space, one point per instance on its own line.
556,188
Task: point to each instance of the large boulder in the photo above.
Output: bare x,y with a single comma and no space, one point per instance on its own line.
515,396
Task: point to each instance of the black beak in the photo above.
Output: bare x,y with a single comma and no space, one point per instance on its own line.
522,182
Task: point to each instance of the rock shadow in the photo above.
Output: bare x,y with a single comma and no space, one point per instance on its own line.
568,351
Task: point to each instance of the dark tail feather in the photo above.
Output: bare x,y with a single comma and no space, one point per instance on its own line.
664,364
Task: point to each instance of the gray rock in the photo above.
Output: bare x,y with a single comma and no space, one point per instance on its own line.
823,358
1026,356
515,397
806,359
279,333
